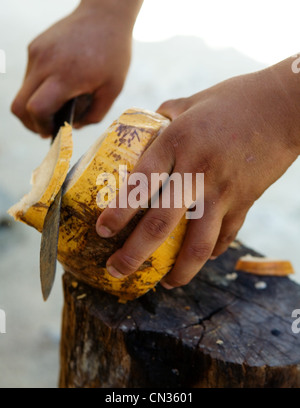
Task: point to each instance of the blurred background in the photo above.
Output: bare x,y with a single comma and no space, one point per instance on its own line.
180,47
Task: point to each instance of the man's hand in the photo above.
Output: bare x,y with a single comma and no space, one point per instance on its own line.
87,52
242,134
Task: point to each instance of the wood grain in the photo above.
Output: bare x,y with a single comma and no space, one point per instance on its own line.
221,330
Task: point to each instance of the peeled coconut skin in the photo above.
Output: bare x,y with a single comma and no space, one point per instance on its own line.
80,249
46,181
264,266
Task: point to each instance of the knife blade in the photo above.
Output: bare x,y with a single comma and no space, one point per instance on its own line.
49,239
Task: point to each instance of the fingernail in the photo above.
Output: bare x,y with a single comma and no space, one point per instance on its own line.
104,232
166,285
114,272
212,258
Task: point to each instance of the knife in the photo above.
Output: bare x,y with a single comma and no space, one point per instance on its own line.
49,240
75,109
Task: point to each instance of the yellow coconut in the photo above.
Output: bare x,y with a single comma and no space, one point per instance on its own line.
87,191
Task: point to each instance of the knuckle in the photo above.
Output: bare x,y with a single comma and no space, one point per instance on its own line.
225,189
206,165
200,251
156,227
37,110
33,49
129,263
141,180
33,108
39,55
114,218
16,108
175,141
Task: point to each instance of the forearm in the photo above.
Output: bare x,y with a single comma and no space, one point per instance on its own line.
286,80
125,11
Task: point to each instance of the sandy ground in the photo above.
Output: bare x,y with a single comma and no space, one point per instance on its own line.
29,351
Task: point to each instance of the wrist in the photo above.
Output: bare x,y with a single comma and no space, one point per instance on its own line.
119,11
286,81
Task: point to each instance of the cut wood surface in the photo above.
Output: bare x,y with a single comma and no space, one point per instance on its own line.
226,328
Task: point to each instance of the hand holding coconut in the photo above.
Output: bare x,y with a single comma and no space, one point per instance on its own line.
242,134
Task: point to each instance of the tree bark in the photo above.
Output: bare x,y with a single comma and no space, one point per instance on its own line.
221,330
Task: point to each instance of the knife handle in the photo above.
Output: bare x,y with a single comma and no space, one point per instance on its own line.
72,111
65,114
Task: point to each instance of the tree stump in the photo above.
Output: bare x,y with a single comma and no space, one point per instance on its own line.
222,330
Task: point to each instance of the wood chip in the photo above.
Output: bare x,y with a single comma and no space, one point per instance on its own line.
235,245
123,301
231,276
81,296
264,266
260,285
